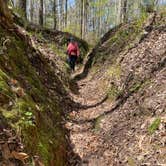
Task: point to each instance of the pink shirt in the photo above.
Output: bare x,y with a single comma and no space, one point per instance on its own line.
73,49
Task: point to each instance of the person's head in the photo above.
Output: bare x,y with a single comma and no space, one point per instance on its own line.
71,39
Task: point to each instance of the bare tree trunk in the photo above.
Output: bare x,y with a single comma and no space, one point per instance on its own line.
22,5
61,19
99,18
124,11
85,17
119,12
44,13
55,14
31,10
4,12
41,19
63,14
81,21
93,22
60,14
66,6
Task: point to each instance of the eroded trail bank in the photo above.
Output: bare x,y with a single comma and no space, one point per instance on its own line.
121,120
33,81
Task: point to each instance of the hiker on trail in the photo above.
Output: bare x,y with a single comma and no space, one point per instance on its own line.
73,52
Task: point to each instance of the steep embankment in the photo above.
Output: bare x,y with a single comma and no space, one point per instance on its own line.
32,95
122,118
118,39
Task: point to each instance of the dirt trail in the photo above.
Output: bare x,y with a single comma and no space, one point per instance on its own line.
86,140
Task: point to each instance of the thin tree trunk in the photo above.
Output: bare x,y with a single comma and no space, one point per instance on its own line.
55,14
32,10
93,20
99,19
61,3
45,13
59,14
41,19
22,6
4,11
119,12
124,11
81,21
66,6
63,14
86,7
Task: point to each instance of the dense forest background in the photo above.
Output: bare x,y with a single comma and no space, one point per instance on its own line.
110,111
88,19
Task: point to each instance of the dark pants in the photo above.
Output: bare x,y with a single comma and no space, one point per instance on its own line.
72,61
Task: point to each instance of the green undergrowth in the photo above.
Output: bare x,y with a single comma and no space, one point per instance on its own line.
154,126
113,92
131,162
114,71
135,87
97,123
25,103
113,74
60,51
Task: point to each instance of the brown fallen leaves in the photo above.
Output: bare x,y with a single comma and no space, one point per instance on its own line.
10,148
20,156
14,82
37,161
16,88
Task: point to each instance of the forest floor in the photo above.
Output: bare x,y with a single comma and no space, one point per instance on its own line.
86,140
104,136
125,131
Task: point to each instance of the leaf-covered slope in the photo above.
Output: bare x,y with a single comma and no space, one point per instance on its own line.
118,39
30,97
128,128
135,124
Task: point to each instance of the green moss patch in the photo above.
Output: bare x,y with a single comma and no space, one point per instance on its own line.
114,71
154,126
113,92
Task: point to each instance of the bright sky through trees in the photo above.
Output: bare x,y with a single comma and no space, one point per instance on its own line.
71,2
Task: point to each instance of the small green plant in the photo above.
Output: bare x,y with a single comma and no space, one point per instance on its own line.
131,162
113,92
27,120
44,151
135,87
39,35
97,123
114,71
154,126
